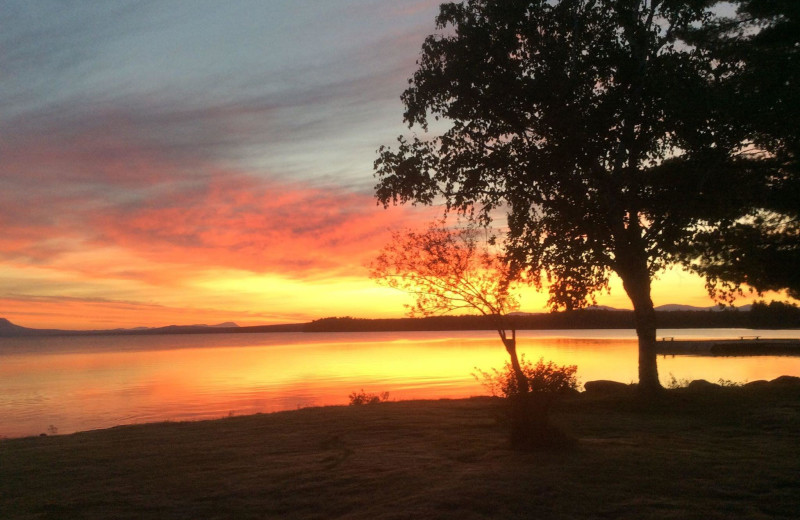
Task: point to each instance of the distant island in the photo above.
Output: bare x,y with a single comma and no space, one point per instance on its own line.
775,315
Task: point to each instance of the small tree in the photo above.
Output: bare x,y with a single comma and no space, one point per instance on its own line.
448,270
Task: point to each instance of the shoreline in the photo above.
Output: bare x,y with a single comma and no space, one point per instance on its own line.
744,346
581,319
698,453
599,389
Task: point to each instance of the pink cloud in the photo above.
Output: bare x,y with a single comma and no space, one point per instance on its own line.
243,222
117,178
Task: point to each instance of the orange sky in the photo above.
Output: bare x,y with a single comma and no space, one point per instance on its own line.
239,249
185,291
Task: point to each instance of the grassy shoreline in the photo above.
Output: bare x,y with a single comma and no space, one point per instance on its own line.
697,453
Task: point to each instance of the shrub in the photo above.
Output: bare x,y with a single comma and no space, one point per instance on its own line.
543,378
675,383
359,398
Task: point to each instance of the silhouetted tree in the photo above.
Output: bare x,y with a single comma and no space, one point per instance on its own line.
448,270
607,138
762,248
774,315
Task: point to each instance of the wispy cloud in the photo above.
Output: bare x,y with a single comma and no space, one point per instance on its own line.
145,145
244,222
224,219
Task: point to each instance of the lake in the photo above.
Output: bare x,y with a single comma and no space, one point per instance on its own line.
67,384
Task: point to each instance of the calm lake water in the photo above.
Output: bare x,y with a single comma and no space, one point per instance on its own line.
67,384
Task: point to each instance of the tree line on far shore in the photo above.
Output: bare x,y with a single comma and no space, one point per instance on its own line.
761,315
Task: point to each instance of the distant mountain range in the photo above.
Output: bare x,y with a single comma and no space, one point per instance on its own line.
660,308
226,325
678,307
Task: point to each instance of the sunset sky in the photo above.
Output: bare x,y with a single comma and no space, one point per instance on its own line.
204,161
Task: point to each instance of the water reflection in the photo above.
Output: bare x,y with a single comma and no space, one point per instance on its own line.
79,383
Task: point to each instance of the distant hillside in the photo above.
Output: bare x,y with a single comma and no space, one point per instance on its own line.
671,307
8,329
579,319
7,325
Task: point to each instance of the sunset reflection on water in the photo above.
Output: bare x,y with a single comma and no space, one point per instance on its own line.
75,383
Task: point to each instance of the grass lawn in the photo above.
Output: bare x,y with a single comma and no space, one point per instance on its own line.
705,454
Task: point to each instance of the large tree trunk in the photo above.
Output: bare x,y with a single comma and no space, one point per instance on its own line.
645,317
636,282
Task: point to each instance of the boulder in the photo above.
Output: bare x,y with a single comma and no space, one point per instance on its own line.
604,387
702,384
786,380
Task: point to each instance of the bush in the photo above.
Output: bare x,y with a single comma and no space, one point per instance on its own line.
543,378
675,383
359,398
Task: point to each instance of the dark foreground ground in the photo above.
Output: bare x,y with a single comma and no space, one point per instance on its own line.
703,453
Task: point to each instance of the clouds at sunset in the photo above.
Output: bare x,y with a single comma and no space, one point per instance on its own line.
109,207
246,223
152,161
150,240
199,161
215,218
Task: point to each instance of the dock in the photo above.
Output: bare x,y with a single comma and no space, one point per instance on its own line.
743,346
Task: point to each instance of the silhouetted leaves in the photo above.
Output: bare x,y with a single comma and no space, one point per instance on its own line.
543,377
760,248
446,270
618,135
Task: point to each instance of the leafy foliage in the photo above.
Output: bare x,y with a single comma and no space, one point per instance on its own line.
362,397
613,134
543,377
761,252
761,249
675,383
445,270
557,111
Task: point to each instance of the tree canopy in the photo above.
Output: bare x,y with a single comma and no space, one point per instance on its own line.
761,249
608,132
445,270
